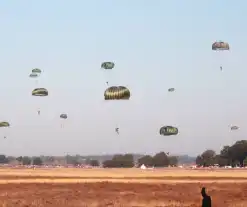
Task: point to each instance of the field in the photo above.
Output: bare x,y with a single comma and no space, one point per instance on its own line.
121,187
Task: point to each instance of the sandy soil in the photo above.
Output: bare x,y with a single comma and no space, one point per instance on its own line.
50,188
120,194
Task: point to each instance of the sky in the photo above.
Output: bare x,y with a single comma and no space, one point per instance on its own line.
155,45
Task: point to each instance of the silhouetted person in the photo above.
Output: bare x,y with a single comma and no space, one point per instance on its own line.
206,201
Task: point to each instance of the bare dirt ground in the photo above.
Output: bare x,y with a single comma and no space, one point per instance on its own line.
79,188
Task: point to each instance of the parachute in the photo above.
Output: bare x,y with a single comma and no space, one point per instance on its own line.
117,93
4,124
234,127
63,116
36,70
168,130
107,65
220,46
171,89
40,92
34,75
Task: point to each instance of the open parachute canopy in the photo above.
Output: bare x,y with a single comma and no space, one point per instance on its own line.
171,89
34,75
63,116
168,130
220,46
107,65
40,92
4,124
117,93
36,70
234,127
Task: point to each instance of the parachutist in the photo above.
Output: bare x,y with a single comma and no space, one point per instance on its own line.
117,130
221,68
38,112
4,137
107,83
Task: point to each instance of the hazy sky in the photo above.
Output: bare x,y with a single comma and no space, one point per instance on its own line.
155,45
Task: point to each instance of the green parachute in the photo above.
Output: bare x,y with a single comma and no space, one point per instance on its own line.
4,124
40,92
34,75
108,65
117,93
36,70
168,130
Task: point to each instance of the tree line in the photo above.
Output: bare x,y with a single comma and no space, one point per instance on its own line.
228,156
161,159
234,155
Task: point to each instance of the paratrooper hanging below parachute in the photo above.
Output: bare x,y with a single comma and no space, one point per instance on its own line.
117,130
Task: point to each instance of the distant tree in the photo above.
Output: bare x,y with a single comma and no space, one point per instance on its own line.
221,161
146,160
94,163
160,160
207,158
226,153
173,160
119,160
199,160
109,164
26,160
238,151
245,162
37,161
19,159
47,160
11,158
3,159
72,160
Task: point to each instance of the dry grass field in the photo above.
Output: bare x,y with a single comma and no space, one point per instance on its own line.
121,187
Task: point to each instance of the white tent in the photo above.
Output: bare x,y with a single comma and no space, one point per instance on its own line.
143,167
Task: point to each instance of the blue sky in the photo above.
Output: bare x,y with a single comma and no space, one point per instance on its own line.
154,44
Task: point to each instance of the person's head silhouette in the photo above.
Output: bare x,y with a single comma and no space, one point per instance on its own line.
203,192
